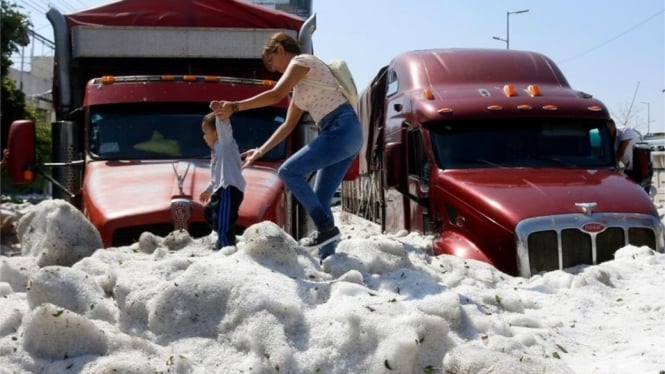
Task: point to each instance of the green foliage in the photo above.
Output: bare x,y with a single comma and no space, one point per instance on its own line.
13,104
43,151
14,33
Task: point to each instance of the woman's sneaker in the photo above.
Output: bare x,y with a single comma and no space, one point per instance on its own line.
319,238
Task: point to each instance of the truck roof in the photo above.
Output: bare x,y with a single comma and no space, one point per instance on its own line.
183,13
451,84
152,37
458,83
468,66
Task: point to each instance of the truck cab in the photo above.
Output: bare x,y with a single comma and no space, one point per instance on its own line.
132,82
146,164
493,153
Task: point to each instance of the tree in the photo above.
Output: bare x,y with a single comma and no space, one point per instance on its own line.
14,33
627,116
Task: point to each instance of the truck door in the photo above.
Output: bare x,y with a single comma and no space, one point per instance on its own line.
418,174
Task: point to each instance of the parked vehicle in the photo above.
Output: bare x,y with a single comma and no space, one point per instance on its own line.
132,82
494,154
655,141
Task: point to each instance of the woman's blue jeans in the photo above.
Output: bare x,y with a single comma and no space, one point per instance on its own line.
329,154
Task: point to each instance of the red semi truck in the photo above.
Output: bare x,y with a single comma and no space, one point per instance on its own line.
493,153
132,82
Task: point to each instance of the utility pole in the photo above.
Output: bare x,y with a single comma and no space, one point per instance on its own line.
507,39
648,116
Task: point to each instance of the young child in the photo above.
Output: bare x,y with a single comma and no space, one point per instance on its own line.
226,188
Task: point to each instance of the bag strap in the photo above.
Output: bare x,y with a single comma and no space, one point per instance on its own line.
319,84
329,86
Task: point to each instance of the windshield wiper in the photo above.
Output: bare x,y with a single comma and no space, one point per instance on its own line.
490,163
481,161
555,160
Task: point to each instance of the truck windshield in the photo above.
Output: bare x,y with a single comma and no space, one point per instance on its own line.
522,143
131,133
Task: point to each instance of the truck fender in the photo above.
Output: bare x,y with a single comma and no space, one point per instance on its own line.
19,157
455,244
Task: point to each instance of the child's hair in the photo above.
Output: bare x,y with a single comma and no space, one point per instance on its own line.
209,120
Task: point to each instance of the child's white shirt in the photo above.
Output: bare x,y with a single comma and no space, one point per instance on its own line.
225,164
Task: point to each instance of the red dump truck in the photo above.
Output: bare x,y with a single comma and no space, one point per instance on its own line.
494,154
132,81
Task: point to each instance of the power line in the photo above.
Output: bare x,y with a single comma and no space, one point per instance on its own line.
83,4
32,5
614,38
41,6
62,5
70,7
42,39
37,10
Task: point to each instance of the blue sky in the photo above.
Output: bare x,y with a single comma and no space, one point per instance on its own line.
613,49
607,48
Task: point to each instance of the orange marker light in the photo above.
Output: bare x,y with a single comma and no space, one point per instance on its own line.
445,110
168,77
550,107
524,107
28,175
495,107
428,94
533,90
509,90
595,108
107,79
189,78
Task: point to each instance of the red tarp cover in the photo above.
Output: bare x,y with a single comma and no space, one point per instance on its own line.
185,13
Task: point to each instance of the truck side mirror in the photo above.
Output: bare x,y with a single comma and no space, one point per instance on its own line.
20,152
642,169
392,163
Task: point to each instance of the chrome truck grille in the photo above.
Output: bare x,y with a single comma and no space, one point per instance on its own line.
557,242
181,212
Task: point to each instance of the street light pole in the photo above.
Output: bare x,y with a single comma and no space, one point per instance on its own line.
507,39
648,116
501,39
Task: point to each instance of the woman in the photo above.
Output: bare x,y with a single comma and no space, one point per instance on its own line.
624,141
330,154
